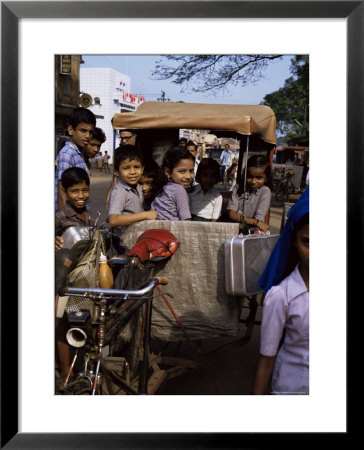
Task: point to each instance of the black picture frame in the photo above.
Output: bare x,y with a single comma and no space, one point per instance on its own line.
11,12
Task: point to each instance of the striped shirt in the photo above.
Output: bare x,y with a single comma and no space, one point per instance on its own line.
69,156
172,203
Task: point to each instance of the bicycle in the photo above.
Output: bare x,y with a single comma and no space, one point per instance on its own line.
103,372
285,186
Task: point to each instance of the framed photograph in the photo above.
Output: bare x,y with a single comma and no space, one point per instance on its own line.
32,33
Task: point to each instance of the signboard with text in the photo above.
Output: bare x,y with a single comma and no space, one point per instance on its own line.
66,64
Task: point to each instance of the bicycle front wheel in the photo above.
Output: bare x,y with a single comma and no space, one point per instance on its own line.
82,386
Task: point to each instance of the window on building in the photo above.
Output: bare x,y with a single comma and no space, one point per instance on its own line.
66,85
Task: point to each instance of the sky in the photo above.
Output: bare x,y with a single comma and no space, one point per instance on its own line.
140,67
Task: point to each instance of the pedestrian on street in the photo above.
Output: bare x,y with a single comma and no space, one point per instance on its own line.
106,162
224,161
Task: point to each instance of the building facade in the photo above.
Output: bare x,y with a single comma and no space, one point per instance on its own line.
67,90
111,93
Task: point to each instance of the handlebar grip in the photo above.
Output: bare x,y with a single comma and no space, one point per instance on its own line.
162,280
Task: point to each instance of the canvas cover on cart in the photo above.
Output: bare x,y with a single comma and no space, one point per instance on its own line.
196,277
244,119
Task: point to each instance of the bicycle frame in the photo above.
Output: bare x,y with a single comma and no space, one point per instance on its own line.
101,297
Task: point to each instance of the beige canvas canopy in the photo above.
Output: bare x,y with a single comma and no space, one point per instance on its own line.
245,119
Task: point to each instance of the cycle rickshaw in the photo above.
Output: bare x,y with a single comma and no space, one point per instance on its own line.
216,268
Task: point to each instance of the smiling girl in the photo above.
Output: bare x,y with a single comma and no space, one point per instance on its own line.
251,206
172,203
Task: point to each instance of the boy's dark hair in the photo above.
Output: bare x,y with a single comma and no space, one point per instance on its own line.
127,152
208,163
293,258
74,175
191,144
174,155
258,161
81,115
99,135
152,170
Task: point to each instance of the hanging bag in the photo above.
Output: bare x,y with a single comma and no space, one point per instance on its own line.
86,272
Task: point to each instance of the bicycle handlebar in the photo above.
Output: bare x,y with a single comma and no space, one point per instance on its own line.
114,293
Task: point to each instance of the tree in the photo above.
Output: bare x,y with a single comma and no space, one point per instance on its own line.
290,103
212,73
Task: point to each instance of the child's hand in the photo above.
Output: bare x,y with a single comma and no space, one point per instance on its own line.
59,243
263,226
151,215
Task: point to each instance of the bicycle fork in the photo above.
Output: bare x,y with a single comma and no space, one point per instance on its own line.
100,344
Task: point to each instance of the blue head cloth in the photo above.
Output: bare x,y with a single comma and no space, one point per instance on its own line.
274,269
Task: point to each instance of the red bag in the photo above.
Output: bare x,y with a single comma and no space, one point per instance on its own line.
154,245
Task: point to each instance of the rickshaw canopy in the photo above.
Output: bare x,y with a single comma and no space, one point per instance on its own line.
257,120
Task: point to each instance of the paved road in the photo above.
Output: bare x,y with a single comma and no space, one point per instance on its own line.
231,372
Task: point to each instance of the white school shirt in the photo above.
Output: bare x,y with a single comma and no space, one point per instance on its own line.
208,206
287,306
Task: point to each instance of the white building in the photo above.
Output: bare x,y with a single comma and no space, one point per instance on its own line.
110,92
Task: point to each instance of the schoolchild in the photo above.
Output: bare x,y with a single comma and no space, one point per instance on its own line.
126,200
284,350
172,202
250,207
75,183
81,125
152,181
127,137
205,199
93,147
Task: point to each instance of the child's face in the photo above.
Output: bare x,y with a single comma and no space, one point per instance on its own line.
78,194
92,148
208,179
302,244
183,173
130,171
256,177
147,185
81,135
